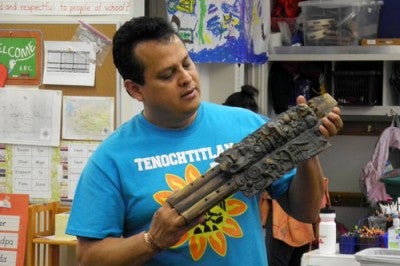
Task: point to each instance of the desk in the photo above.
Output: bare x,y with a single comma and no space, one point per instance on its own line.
314,258
53,244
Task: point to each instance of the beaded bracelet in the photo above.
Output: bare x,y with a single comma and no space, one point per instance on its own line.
148,238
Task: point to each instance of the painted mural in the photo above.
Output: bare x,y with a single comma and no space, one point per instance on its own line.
221,31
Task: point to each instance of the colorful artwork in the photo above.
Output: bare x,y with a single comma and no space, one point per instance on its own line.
226,31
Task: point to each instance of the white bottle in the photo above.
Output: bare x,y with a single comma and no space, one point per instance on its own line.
327,231
394,233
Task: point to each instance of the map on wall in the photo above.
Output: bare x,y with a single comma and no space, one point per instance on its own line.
30,116
226,31
87,118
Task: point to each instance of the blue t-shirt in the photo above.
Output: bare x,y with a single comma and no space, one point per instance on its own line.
132,172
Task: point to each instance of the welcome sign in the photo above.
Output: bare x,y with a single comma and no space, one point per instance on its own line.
21,54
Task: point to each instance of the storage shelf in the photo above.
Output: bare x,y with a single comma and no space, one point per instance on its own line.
335,53
387,54
369,110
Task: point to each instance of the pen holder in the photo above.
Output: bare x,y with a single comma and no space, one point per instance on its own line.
368,242
348,244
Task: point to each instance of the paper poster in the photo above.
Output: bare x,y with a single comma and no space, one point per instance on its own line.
44,173
87,118
13,228
69,63
32,170
74,158
21,55
65,7
30,116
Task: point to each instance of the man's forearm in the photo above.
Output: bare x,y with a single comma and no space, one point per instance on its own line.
113,251
306,191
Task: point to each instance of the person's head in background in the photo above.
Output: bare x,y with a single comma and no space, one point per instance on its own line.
245,98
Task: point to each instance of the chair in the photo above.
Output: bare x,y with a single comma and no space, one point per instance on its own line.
42,248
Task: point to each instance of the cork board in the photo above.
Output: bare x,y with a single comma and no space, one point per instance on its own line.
105,80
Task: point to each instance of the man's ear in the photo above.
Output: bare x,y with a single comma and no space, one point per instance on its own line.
133,89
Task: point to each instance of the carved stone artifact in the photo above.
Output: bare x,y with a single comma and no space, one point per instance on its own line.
259,159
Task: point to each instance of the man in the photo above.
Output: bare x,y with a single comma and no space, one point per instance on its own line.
119,212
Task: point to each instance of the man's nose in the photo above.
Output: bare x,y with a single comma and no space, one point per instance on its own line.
185,76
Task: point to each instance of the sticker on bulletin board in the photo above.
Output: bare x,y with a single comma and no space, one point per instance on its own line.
20,57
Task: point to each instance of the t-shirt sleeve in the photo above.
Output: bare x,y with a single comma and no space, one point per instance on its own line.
280,186
96,210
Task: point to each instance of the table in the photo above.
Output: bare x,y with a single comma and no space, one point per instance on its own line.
54,244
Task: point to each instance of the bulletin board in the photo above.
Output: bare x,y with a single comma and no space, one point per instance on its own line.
105,86
105,80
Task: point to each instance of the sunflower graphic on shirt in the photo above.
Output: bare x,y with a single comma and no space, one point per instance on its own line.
220,220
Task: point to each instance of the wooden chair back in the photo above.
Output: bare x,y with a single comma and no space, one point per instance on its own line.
41,222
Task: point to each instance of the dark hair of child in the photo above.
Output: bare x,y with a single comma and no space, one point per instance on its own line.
245,98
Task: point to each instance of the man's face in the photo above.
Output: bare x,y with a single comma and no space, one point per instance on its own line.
171,91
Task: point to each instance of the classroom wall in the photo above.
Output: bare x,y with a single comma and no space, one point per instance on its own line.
342,164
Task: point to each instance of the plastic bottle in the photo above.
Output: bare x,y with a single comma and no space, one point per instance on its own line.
394,233
327,231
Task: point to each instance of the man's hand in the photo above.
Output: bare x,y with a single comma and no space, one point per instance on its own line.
168,226
331,124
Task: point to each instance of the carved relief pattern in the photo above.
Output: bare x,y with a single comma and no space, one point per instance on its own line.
259,159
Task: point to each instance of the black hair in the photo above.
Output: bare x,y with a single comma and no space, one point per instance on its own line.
246,98
131,33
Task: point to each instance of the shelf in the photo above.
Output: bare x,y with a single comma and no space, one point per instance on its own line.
370,110
52,240
335,53
385,53
348,199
